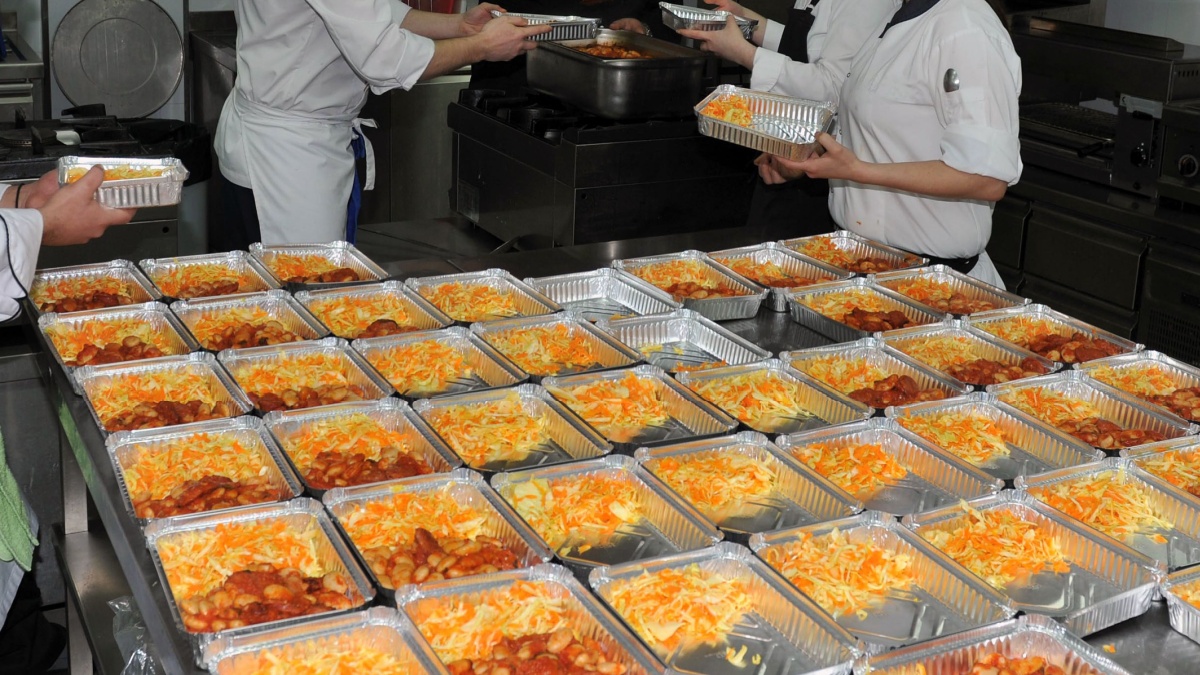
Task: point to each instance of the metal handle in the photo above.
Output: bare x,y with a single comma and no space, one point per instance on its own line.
16,92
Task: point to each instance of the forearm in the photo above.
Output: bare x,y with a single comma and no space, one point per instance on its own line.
433,25
931,178
450,55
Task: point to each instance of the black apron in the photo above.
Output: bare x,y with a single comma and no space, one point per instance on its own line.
797,208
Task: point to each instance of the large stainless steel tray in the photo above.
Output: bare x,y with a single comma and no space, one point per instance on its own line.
803,314
665,85
336,253
119,276
855,246
688,416
527,301
1033,446
779,125
790,263
164,189
783,631
742,306
462,487
798,497
606,293
1180,374
684,340
278,306
1107,583
249,273
562,27
993,322
934,478
983,345
875,353
608,351
955,282
567,439
154,315
824,405
1025,636
678,17
943,598
420,314
125,448
290,428
353,369
482,367
1176,547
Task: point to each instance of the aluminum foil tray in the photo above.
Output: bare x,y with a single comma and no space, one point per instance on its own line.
797,299
1108,582
1116,406
300,515
718,309
462,486
356,371
943,599
985,346
569,438
605,293
125,448
1182,375
1182,450
279,306
608,351
934,478
859,247
688,416
780,125
683,340
1176,547
789,262
421,314
989,322
338,253
376,629
676,17
783,632
289,429
98,382
583,612
799,496
667,524
174,338
825,405
165,189
875,353
1034,447
956,282
564,27
116,275
1185,617
482,366
1021,637
249,272
528,301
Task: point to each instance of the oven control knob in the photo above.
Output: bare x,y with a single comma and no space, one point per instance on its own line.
1189,166
1139,157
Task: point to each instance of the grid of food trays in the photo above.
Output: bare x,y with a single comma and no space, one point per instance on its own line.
332,471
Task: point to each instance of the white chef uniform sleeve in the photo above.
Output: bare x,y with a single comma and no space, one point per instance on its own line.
772,35
980,118
369,37
21,247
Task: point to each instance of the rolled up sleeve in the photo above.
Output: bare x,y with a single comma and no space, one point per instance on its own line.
772,35
369,37
21,246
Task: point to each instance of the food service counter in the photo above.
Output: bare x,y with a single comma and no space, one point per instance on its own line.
107,558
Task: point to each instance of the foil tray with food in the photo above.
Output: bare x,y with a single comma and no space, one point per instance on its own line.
488,295
772,397
1176,462
743,484
208,275
967,354
942,289
429,530
1182,593
438,363
561,27
130,182
353,444
702,285
1154,377
1052,334
721,611
1044,562
510,429
317,265
678,17
774,266
373,310
853,309
854,253
603,511
772,123
683,341
247,320
880,581
605,293
887,468
556,345
95,286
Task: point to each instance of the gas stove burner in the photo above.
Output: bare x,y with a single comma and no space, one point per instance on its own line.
16,138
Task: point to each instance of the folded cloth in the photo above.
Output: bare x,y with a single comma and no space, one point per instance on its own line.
16,537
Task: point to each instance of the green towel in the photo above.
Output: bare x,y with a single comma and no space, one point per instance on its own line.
16,539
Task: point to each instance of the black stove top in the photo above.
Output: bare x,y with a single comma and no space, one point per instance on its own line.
30,148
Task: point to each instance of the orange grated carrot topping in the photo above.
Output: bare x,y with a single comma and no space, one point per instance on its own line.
472,302
943,351
493,431
674,609
156,471
1109,502
346,654
671,273
586,508
1050,406
70,339
999,546
730,108
289,266
343,434
349,315
45,293
857,469
618,409
291,371
826,250
122,172
717,483
974,438
1189,592
422,367
757,398
840,303
1140,379
392,522
546,350
1180,468
211,325
122,393
845,375
768,273
1023,330
181,281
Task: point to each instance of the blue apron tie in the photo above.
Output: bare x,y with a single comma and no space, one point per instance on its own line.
356,191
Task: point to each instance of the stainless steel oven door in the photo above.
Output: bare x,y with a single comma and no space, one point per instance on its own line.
16,96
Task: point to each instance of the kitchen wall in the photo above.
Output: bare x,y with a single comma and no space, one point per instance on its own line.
1179,19
29,20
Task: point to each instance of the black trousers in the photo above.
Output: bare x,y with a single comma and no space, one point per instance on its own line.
238,226
28,642
798,208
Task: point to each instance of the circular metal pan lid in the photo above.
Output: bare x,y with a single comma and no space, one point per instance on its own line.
126,54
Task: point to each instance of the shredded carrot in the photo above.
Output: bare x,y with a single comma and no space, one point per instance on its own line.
1141,379
493,431
1050,406
424,367
838,304
999,546
472,302
619,409
122,172
45,293
857,469
1180,468
1189,592
759,398
651,349
730,108
585,509
547,350
1108,502
70,339
292,371
156,471
975,438
718,483
674,609
122,393
289,266
841,575
211,325
353,432
345,654
393,521
769,273
179,281
826,250
349,315
669,275
1023,329
845,375
943,351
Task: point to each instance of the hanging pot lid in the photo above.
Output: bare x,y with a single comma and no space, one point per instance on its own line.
126,54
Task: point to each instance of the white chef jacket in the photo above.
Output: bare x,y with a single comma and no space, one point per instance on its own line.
304,69
24,241
894,108
830,49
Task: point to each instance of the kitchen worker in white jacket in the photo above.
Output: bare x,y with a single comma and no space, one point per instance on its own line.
304,68
928,125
